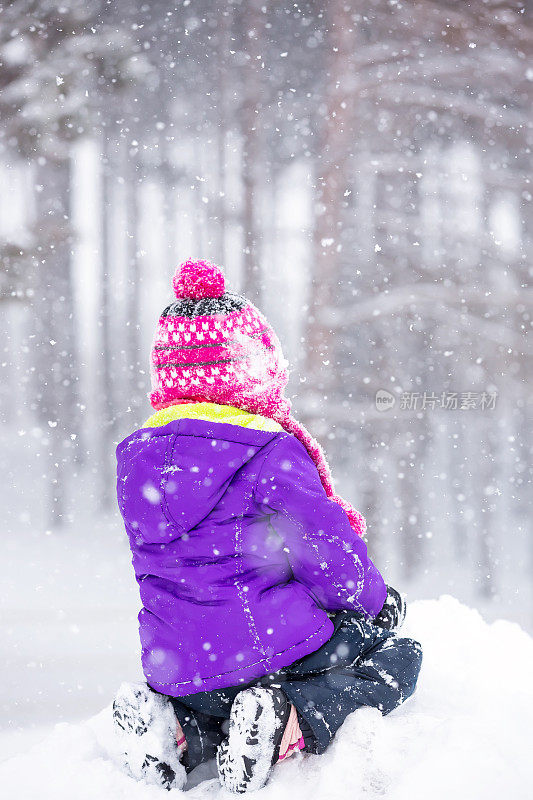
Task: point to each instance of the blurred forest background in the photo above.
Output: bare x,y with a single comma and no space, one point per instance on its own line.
362,168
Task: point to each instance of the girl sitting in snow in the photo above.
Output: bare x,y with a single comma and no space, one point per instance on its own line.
260,603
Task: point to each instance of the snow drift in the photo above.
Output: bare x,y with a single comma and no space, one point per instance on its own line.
466,733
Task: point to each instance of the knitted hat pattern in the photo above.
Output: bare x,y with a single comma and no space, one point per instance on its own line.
215,346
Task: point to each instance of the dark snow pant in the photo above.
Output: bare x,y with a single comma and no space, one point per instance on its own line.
361,665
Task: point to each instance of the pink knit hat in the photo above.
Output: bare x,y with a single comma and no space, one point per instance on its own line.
212,345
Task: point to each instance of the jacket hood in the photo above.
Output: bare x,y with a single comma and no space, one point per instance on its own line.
170,478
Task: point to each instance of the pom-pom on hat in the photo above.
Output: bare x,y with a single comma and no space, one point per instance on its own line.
197,279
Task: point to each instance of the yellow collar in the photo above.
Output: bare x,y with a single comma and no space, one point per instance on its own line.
212,412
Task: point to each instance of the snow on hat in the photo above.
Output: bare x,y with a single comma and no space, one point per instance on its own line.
214,345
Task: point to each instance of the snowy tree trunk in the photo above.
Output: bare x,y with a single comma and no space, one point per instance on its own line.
224,30
413,525
458,487
107,429
133,274
487,499
335,143
56,373
253,149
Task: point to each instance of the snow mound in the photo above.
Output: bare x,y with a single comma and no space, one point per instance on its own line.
466,733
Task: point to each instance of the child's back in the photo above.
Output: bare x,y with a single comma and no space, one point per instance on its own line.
236,548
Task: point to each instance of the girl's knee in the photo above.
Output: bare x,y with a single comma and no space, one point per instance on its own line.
410,662
414,648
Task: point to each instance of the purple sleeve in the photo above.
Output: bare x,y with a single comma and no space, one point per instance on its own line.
323,551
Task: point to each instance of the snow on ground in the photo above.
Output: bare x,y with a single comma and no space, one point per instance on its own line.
68,628
466,733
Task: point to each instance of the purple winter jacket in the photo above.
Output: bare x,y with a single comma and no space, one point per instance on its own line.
238,553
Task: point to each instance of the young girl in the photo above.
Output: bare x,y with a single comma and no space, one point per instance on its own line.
260,603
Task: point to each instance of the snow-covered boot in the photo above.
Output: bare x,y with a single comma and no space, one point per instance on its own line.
145,724
257,722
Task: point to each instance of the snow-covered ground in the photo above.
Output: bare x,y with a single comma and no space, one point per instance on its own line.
466,733
68,638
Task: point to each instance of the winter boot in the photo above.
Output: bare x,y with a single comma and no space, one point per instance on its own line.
145,725
258,719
